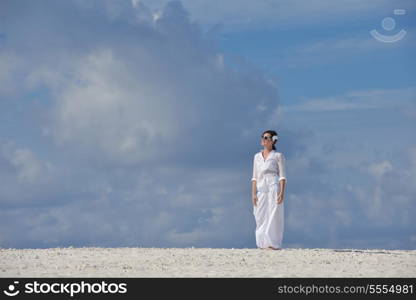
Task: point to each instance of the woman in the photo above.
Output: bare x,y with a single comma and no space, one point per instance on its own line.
268,190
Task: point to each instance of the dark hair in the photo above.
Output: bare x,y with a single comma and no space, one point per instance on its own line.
272,133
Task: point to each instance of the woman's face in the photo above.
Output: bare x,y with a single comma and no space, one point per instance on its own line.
266,141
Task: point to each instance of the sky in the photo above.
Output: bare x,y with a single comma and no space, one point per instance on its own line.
134,123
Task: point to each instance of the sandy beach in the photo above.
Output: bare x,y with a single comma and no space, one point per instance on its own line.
206,262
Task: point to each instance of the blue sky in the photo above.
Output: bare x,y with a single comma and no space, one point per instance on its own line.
134,123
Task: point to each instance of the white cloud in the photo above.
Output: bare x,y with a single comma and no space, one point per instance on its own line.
23,164
129,94
379,169
111,110
402,98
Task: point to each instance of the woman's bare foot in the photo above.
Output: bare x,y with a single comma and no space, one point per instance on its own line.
270,247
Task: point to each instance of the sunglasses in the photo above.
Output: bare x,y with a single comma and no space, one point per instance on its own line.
266,138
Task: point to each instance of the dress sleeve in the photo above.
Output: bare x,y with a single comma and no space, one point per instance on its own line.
282,167
254,170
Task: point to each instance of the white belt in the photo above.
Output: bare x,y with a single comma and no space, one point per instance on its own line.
269,180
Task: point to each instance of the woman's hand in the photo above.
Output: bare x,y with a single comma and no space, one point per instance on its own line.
279,198
254,199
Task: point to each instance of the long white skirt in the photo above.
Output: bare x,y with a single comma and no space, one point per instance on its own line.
269,219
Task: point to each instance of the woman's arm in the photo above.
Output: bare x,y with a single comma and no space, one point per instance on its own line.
253,188
282,185
282,178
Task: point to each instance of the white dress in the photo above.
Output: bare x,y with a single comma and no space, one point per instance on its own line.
268,214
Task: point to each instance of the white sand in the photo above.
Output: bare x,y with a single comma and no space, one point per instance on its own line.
205,262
